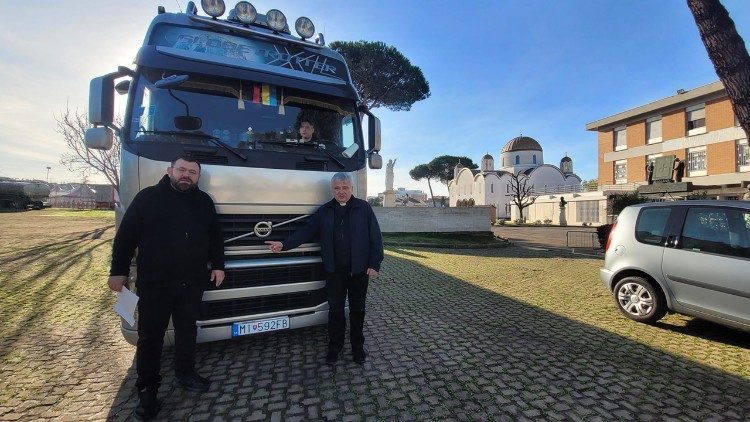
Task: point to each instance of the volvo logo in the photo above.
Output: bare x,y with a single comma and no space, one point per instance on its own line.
263,229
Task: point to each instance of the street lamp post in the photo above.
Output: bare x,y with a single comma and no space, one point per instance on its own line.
48,168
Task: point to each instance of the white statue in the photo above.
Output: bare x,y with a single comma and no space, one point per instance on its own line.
389,175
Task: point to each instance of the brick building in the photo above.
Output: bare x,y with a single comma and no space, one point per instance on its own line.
697,126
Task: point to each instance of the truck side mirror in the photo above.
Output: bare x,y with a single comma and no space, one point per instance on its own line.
373,133
102,100
373,129
375,161
99,138
123,87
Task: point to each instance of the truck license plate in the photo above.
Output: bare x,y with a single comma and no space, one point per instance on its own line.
260,326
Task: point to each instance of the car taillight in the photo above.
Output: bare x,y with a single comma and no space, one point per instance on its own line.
609,238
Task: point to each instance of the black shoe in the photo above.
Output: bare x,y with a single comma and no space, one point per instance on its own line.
192,382
148,405
332,356
359,354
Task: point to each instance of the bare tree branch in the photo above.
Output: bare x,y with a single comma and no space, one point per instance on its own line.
520,194
72,125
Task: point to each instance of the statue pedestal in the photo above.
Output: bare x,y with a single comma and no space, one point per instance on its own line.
389,198
563,221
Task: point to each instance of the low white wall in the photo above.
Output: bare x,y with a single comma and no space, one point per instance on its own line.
431,220
548,207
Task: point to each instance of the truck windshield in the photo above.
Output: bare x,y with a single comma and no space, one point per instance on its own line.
245,115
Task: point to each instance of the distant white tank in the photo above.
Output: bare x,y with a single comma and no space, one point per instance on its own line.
23,194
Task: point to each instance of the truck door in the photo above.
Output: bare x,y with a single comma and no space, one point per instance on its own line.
707,266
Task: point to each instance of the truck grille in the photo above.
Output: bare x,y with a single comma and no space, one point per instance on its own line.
233,225
218,309
268,276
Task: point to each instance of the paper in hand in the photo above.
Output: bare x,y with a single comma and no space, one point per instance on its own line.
125,306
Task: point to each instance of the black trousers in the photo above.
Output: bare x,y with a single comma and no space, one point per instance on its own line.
155,307
339,285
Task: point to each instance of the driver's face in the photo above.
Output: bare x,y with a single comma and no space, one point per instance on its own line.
306,131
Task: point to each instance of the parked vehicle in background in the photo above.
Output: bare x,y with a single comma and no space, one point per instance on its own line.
18,195
691,257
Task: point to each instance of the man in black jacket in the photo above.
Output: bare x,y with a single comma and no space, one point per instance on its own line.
352,250
175,228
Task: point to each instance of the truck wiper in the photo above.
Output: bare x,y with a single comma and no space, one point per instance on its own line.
201,135
333,158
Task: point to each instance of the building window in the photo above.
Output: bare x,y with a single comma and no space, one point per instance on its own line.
653,130
621,171
534,158
743,155
696,119
621,138
518,159
492,188
587,211
696,161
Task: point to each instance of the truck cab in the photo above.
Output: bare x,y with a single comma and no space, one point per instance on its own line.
233,93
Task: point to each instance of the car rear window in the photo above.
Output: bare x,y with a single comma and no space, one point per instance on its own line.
651,225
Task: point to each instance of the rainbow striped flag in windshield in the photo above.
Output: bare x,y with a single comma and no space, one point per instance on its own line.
265,94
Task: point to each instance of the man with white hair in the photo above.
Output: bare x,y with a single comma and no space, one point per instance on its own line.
351,247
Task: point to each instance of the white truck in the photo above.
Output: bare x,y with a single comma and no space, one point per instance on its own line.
232,93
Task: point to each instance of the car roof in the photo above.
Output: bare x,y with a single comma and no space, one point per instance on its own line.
693,203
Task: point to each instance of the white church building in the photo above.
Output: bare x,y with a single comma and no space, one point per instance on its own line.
490,187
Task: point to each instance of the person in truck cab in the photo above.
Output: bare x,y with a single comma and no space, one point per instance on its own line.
306,131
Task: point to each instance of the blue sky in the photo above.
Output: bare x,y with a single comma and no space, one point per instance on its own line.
496,69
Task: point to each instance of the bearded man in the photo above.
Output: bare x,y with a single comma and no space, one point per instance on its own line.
180,250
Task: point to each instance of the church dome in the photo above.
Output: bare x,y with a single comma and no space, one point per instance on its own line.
487,157
521,143
566,159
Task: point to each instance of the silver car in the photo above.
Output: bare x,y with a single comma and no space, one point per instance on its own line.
691,257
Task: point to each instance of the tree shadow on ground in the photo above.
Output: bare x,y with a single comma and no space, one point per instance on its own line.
442,348
47,281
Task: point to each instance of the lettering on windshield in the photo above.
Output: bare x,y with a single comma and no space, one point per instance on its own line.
248,50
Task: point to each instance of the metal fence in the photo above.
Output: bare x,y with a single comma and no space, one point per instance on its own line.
581,239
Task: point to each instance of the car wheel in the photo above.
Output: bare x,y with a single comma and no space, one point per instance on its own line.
638,300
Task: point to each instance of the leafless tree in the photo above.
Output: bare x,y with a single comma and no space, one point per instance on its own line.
727,51
520,193
72,125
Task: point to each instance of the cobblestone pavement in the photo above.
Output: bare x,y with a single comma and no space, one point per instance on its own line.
452,335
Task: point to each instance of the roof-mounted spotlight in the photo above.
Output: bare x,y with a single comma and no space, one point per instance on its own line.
304,27
276,20
213,8
245,12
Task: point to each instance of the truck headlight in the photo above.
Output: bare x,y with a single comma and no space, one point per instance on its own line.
213,8
245,12
276,20
304,27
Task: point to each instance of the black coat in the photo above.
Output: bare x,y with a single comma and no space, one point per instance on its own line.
177,235
364,234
